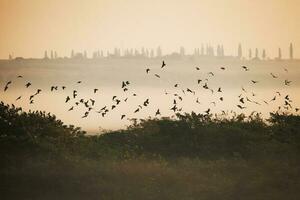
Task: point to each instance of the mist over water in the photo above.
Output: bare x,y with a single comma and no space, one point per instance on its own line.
107,75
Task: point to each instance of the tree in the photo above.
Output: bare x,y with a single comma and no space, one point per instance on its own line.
240,53
291,51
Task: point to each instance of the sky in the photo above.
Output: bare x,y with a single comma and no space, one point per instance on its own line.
29,27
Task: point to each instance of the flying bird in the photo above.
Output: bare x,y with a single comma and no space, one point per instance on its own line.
274,76
147,70
163,64
245,68
157,112
157,75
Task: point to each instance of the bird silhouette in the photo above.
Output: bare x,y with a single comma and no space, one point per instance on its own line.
254,82
222,68
71,108
176,85
28,84
67,99
163,64
147,70
63,87
245,68
18,98
241,107
74,94
197,68
6,86
287,82
95,90
211,73
274,76
122,116
219,90
20,76
158,76
157,112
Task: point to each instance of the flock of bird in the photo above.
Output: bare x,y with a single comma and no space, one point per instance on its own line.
89,104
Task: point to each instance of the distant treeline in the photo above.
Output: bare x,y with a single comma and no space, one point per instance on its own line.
189,135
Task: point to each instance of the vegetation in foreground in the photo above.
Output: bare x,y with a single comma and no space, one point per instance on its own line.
192,157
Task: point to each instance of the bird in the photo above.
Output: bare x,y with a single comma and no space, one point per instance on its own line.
20,76
163,64
157,75
242,100
123,84
197,68
254,82
71,108
146,102
93,102
31,101
176,85
67,99
78,82
221,98
241,107
157,112
207,111
287,82
18,98
245,68
147,70
189,90
122,116
211,73
28,84
219,90
273,75
6,86
174,108
74,94
222,68
198,81
95,90
63,87
137,110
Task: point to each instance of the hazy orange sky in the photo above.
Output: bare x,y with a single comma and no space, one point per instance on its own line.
28,27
